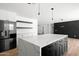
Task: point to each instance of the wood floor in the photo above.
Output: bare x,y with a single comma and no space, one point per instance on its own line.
12,52
73,47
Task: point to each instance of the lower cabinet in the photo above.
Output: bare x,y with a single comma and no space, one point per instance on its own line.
57,48
48,50
7,44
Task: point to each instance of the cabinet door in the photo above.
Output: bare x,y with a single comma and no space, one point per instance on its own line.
13,43
57,48
53,49
49,50
65,45
59,28
60,47
2,45
7,44
63,28
70,28
46,51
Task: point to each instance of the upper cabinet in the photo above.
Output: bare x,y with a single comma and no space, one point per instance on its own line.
7,15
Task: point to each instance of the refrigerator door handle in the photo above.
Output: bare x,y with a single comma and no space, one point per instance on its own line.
6,33
2,33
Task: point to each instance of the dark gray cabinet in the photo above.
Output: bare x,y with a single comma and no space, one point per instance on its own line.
57,48
70,28
7,44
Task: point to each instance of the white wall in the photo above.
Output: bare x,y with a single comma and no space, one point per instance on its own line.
27,32
66,11
7,15
22,12
22,9
45,29
12,16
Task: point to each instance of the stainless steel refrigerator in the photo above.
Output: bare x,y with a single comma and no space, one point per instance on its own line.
7,35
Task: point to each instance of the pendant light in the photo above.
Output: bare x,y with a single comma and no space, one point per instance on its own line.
52,12
38,9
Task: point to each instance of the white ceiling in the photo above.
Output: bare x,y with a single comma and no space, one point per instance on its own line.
61,10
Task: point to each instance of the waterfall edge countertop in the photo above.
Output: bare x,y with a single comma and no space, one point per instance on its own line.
44,40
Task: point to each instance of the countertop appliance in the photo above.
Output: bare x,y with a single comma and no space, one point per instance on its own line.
7,35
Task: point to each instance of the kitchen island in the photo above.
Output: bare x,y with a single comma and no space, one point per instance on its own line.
42,45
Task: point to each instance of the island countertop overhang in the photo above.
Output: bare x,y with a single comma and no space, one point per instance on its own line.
43,40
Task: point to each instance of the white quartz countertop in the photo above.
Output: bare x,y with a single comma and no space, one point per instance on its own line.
43,40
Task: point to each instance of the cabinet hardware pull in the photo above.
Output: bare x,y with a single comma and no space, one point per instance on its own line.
62,26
